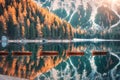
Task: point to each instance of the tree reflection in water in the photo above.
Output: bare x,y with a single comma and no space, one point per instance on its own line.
35,65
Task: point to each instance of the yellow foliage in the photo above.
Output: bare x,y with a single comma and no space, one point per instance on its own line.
2,1
38,19
14,4
24,13
23,31
39,30
43,11
5,14
32,18
12,13
68,28
19,8
2,19
11,10
28,22
49,19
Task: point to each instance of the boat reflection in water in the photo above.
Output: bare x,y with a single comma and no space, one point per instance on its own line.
99,53
3,53
24,53
33,61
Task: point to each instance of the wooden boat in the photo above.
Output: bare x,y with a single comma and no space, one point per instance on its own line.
3,53
99,53
48,53
21,53
73,53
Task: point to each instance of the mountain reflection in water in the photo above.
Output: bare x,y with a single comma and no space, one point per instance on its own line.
60,67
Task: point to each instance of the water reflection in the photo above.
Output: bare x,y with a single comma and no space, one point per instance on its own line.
88,67
62,66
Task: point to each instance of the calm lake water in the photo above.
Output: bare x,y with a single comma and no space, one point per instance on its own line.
62,67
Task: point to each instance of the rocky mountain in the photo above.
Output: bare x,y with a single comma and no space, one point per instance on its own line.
98,18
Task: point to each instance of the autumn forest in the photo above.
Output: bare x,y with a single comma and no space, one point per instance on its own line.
25,19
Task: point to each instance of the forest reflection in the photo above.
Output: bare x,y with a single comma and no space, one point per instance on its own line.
30,66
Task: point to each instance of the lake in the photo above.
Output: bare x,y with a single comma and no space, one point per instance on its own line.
62,66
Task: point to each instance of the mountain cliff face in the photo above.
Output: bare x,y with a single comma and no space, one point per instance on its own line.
98,18
25,19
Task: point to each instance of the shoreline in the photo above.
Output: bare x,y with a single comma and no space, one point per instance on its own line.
61,40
